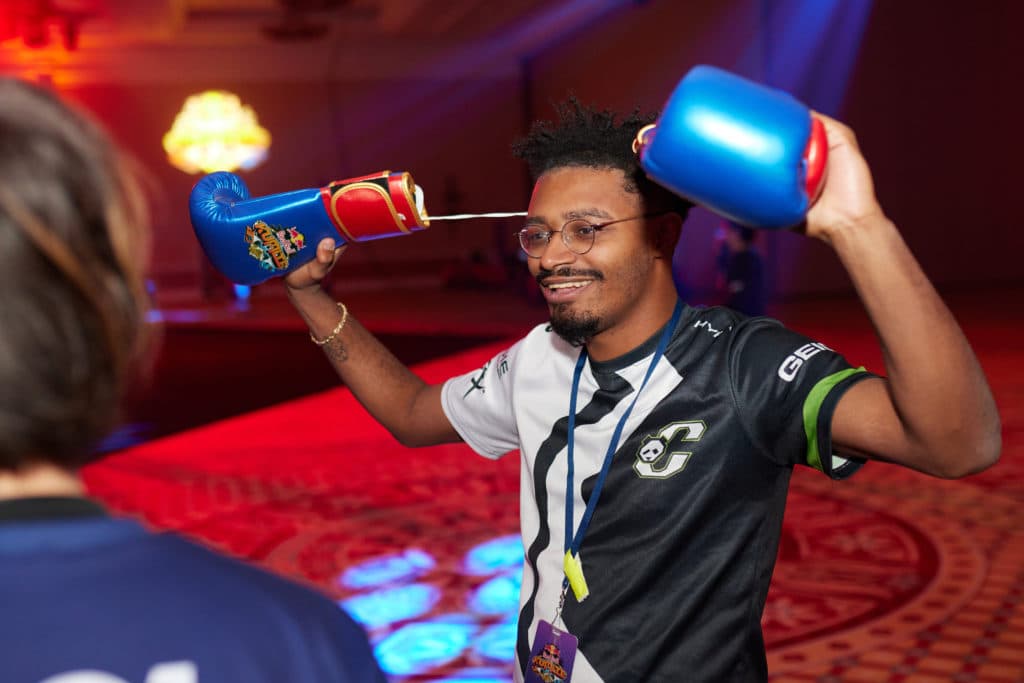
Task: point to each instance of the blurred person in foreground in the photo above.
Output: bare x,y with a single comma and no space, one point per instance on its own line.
86,596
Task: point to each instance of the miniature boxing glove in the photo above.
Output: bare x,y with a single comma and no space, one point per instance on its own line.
750,153
251,240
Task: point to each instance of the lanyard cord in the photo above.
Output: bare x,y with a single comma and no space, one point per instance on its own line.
577,540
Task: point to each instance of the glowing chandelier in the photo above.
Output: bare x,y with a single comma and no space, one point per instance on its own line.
215,132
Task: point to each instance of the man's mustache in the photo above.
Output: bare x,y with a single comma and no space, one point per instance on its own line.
543,274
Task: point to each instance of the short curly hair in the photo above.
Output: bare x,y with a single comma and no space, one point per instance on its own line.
593,138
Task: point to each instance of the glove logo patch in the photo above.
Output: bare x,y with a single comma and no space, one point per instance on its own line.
273,245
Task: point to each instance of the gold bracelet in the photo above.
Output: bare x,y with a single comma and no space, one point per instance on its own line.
337,328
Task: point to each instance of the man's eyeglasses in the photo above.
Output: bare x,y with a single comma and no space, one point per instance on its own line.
577,234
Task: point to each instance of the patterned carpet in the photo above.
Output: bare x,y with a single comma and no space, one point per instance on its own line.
897,577
889,577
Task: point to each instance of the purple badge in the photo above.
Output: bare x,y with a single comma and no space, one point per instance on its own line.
552,655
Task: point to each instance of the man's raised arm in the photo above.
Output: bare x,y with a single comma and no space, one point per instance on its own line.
402,402
934,412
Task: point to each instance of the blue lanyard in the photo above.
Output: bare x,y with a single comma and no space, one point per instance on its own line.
577,540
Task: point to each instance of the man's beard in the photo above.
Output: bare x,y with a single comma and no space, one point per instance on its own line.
575,329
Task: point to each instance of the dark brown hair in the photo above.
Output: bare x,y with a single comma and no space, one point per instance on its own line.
73,239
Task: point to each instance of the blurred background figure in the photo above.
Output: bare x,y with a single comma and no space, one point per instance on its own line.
739,270
87,596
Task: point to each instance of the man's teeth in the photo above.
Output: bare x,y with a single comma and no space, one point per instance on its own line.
567,285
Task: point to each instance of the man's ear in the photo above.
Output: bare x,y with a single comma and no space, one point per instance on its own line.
665,232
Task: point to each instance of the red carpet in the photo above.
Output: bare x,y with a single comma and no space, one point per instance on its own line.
891,576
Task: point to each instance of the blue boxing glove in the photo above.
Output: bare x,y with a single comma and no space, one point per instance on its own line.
251,240
750,153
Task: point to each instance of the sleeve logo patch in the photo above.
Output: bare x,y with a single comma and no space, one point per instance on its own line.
477,383
794,361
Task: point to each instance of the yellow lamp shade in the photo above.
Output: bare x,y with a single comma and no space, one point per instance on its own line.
214,131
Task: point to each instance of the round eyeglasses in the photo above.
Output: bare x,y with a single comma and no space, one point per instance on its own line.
577,234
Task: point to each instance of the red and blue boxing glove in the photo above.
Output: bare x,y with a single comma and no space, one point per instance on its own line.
750,153
252,239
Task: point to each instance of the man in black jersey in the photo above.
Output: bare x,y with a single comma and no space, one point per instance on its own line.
657,439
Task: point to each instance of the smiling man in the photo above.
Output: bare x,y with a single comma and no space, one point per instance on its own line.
596,297
657,440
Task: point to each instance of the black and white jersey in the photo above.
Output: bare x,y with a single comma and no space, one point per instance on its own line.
681,547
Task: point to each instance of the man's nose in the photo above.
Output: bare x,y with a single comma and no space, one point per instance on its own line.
555,252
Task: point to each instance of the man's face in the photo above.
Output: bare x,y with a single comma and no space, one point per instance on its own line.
590,293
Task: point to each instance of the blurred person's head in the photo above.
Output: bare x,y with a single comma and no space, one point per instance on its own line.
739,237
73,240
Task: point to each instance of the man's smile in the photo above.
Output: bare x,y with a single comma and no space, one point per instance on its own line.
565,287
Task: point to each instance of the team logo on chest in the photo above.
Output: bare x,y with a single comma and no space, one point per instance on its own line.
661,455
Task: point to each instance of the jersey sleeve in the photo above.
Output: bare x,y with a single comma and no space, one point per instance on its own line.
479,405
786,387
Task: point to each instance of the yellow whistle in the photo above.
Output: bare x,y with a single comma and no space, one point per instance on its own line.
574,572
